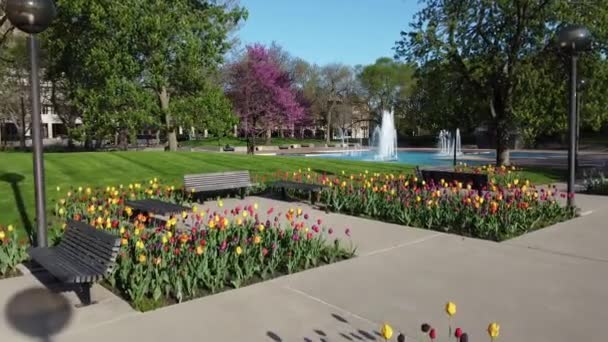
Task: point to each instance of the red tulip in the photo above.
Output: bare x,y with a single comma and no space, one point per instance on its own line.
458,332
432,334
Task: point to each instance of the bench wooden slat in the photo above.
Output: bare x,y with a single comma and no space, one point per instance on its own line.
84,255
57,265
217,181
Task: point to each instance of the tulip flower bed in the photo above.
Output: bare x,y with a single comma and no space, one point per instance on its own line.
508,208
172,262
12,251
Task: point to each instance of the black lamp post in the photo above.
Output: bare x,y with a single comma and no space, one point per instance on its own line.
573,40
582,85
34,16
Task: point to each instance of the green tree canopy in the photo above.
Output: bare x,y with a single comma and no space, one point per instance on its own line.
489,44
122,62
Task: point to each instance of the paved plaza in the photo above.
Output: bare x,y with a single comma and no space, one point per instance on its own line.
548,285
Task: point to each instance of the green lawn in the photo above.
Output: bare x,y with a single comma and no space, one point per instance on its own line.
232,141
113,168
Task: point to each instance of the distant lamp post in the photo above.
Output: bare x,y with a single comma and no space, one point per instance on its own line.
582,86
34,16
573,40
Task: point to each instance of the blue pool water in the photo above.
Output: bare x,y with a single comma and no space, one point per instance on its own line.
433,159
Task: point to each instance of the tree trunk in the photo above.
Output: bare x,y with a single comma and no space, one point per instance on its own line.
123,139
501,111
502,143
268,136
22,131
163,98
328,129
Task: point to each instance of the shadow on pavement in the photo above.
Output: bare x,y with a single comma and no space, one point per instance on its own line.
347,333
38,312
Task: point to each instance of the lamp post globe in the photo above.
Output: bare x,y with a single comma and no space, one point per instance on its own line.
573,40
31,16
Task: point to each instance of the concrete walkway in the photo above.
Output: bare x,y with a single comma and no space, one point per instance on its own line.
549,285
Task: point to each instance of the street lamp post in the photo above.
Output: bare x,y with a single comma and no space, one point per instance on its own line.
582,85
32,17
573,40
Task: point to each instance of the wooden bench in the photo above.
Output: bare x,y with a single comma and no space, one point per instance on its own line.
84,256
219,181
155,206
477,181
314,190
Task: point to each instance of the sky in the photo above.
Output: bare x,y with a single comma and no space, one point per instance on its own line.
327,31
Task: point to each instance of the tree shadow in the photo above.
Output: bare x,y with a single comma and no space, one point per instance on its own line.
350,334
14,179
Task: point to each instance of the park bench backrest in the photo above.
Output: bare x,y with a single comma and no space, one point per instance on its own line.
217,181
95,249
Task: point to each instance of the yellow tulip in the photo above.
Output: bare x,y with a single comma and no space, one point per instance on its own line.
450,309
10,228
257,239
184,214
165,240
386,331
199,250
142,258
245,213
61,211
2,235
220,203
261,227
239,250
124,241
494,330
255,206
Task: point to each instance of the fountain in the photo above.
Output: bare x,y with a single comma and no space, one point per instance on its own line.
341,137
446,143
384,138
